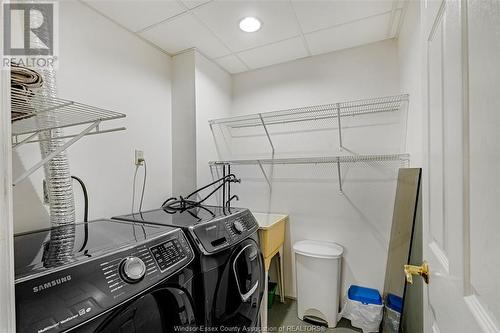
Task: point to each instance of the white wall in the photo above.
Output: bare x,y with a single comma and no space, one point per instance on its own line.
103,65
213,100
363,72
183,123
360,218
410,58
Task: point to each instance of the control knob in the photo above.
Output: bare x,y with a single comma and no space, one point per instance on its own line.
132,269
238,227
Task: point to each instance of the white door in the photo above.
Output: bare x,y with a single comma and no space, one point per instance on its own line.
461,184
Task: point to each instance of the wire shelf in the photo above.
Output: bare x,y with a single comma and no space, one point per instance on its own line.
57,113
403,158
314,113
318,160
34,113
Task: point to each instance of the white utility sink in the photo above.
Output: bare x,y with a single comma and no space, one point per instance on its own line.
266,220
272,238
271,233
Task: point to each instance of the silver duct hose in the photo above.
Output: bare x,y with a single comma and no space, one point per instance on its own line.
57,173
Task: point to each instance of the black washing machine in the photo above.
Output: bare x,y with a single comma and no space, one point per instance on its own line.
229,278
104,276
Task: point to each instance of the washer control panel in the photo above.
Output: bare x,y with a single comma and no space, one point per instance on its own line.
168,253
132,269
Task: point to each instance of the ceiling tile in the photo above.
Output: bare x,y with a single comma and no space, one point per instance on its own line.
315,15
184,32
349,35
222,17
232,64
283,51
137,15
194,3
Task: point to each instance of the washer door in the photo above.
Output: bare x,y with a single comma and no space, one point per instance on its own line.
240,288
163,310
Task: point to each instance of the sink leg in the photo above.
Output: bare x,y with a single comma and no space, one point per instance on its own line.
263,306
281,279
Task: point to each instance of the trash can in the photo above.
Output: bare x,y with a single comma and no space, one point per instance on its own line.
392,313
318,269
364,308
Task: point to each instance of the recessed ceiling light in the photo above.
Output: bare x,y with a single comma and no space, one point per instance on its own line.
250,24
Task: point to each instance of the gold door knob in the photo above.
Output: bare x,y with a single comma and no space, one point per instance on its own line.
423,271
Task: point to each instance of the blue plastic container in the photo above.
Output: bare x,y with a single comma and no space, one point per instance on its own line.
394,303
364,295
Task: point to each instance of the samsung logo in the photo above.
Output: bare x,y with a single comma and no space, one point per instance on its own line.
52,283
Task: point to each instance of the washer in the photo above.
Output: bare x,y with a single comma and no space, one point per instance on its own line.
229,281
104,276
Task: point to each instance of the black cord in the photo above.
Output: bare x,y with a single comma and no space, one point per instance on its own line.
213,183
85,196
173,204
86,212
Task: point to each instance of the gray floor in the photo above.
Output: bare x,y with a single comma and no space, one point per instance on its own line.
282,317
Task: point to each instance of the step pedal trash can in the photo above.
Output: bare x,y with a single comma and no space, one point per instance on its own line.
318,269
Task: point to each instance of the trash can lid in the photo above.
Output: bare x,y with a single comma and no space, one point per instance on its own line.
395,302
364,295
318,249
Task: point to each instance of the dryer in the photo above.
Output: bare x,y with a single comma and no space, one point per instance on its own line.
229,280
104,276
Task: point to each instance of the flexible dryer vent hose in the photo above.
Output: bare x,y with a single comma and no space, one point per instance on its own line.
57,173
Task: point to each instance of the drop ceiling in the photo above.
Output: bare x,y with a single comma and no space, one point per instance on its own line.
291,29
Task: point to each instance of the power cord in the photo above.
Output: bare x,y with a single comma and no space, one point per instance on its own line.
133,188
143,184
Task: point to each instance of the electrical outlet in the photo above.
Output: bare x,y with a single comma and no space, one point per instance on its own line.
139,157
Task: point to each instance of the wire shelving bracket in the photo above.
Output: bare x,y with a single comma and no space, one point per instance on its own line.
36,113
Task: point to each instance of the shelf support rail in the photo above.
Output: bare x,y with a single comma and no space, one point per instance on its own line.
339,173
23,141
264,173
340,126
97,131
56,152
267,133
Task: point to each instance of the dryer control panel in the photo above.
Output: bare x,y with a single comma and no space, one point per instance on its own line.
224,231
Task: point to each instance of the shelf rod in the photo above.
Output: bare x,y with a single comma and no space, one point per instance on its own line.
56,152
55,107
340,127
98,131
20,143
304,119
264,173
340,175
326,159
389,103
267,133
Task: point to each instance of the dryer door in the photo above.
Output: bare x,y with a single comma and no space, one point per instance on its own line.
240,289
163,310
